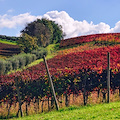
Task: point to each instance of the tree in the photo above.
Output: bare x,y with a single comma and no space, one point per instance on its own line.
45,30
27,43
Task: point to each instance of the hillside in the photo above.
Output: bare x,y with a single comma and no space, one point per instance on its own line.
106,38
8,49
77,70
8,46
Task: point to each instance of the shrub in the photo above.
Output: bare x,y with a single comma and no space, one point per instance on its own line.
15,62
28,58
5,66
8,66
2,67
40,52
33,57
22,60
27,43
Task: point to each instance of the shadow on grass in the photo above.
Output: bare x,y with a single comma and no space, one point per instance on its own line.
8,117
74,108
70,108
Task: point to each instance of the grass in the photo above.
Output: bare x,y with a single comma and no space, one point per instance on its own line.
38,61
104,111
8,42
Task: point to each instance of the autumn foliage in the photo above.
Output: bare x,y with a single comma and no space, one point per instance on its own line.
98,38
73,71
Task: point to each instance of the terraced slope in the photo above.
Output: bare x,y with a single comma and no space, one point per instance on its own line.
9,50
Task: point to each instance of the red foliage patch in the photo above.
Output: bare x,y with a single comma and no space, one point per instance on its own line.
111,37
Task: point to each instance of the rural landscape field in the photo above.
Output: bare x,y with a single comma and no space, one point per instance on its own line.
78,68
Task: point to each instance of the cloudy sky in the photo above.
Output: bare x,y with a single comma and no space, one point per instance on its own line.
77,17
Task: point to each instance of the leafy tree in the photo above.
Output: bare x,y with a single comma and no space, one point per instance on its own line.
45,30
27,43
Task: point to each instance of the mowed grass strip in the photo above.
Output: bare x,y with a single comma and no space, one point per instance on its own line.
8,42
91,112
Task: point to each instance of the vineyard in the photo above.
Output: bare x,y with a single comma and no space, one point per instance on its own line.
105,38
79,71
8,49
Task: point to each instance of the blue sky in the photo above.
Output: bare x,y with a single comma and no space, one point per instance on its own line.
77,17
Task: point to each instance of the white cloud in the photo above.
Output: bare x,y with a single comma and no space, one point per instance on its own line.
70,26
7,21
10,10
75,28
116,28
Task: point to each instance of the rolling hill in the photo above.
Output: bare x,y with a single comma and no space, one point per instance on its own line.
79,67
105,38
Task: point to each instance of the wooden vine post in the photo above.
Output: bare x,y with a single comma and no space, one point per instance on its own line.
108,77
51,84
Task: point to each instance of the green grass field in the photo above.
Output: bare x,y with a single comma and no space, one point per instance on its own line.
8,42
104,111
